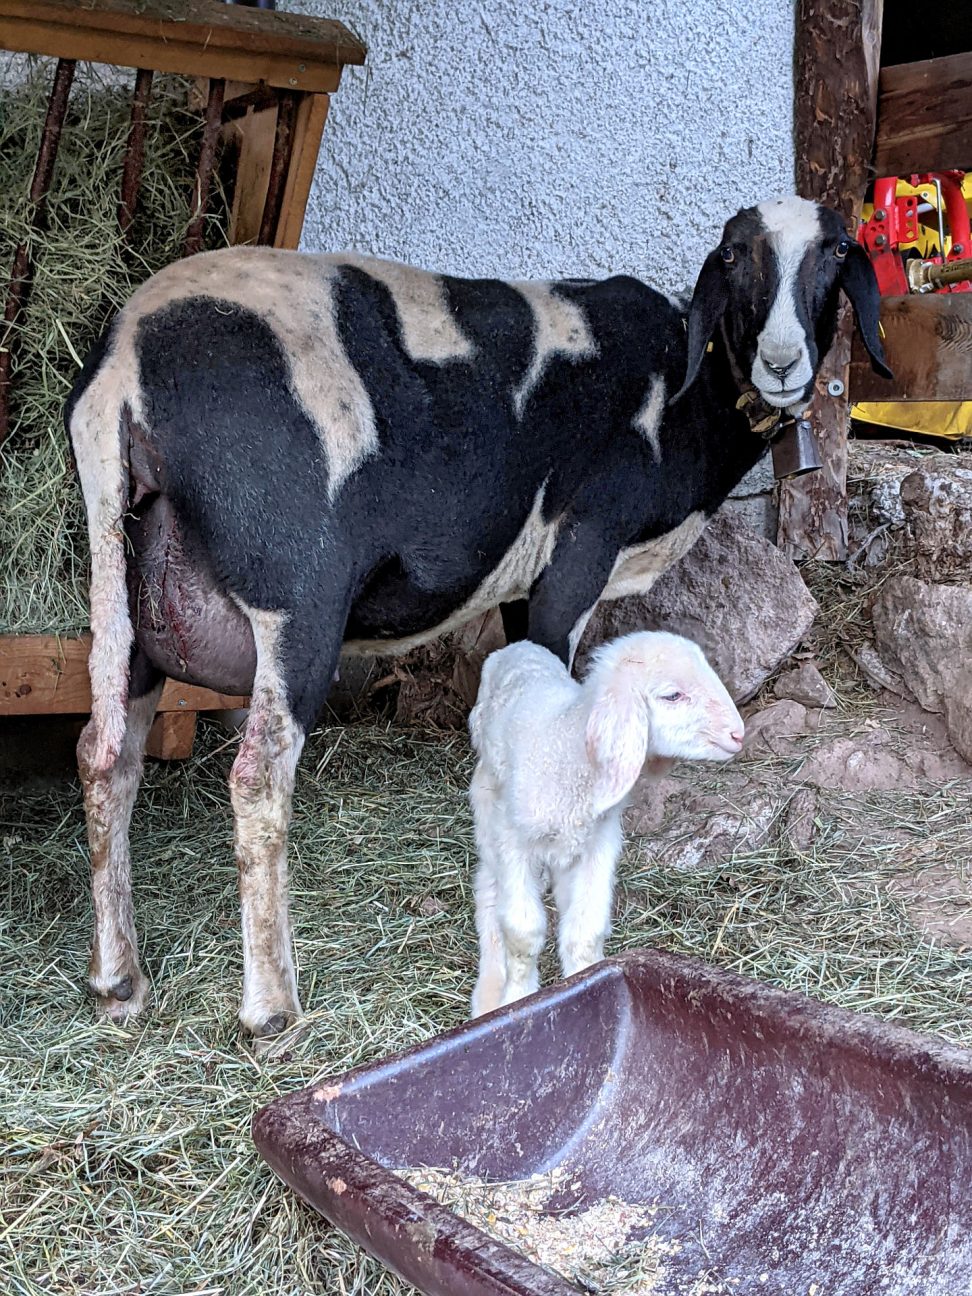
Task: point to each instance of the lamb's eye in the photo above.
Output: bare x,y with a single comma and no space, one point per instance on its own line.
673,697
727,255
842,248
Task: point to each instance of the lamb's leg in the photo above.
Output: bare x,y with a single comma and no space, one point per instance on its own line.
584,894
488,993
114,975
522,917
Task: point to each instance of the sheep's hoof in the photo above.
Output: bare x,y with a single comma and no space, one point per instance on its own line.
275,1025
122,1000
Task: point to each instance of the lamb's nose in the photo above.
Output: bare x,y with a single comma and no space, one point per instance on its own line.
737,737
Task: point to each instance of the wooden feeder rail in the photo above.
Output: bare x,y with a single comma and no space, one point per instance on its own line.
267,81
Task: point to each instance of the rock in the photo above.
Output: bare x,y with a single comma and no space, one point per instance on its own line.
771,730
937,505
646,808
869,763
799,821
877,674
807,686
924,634
734,594
708,832
912,505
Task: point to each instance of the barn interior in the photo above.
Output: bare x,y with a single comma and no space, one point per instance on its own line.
831,858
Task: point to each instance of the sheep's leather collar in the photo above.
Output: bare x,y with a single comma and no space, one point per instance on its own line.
765,421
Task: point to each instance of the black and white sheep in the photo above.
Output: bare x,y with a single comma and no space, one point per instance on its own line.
556,762
282,454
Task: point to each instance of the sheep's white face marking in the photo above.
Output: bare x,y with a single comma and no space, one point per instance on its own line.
782,368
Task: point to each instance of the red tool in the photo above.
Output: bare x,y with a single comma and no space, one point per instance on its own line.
895,221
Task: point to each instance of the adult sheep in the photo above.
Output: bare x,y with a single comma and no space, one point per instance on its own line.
282,453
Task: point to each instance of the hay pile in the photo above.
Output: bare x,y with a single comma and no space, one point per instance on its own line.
125,1159
80,277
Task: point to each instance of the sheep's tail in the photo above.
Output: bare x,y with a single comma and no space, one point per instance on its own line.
94,418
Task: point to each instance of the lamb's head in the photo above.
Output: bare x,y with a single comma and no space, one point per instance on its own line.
654,694
773,285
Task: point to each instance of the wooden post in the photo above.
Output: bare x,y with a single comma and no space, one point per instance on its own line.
171,736
836,61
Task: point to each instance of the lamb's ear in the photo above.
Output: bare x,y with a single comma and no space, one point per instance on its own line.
858,281
617,742
709,301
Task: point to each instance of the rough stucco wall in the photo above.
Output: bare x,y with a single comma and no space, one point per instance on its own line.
557,138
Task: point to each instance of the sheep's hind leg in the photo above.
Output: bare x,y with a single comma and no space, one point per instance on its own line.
114,976
584,894
491,980
283,707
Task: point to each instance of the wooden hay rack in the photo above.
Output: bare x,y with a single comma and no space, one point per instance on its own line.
264,81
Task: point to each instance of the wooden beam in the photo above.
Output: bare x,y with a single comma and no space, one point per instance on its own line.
192,37
924,117
835,87
47,675
928,342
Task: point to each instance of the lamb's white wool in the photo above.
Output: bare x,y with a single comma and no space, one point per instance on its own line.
556,762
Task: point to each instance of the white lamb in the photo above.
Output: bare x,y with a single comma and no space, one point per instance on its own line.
557,760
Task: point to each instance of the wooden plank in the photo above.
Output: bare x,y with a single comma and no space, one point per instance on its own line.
309,129
928,342
924,117
253,136
48,675
835,105
171,736
193,37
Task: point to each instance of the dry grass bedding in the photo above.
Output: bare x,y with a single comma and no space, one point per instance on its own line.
82,274
126,1164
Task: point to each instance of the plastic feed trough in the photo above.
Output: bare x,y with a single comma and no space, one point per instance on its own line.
794,1148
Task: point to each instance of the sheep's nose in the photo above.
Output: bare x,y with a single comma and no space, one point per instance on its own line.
779,359
737,737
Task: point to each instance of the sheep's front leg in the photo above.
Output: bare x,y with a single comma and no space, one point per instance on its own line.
114,975
584,895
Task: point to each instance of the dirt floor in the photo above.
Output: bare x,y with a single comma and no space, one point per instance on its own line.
832,858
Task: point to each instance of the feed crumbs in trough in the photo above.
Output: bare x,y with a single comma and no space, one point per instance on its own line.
606,1249
82,273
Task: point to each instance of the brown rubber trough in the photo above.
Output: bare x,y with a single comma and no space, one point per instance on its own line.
796,1150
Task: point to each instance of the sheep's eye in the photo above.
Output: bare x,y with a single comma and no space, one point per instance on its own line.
842,248
727,255
673,697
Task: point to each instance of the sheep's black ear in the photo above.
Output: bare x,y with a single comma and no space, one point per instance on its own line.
709,301
859,283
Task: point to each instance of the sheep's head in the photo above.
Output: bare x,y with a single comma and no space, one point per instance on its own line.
773,285
655,694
